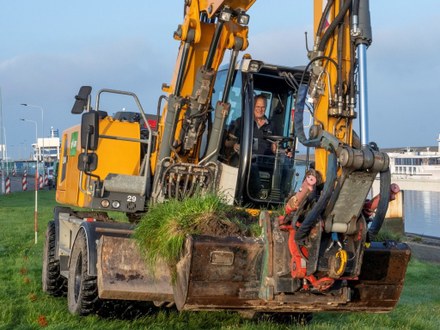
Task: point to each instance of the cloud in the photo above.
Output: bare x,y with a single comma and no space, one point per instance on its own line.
52,80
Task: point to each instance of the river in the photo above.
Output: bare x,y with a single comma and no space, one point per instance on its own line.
422,212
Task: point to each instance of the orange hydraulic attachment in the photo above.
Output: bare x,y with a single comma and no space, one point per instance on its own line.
298,264
371,205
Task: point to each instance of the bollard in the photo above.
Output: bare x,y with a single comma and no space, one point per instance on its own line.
46,180
13,172
8,185
24,181
40,182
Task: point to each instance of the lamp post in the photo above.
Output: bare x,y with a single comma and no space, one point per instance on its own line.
36,182
42,125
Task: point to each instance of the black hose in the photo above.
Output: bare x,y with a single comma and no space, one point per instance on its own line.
340,90
385,182
338,19
301,102
352,73
299,115
313,216
355,7
323,17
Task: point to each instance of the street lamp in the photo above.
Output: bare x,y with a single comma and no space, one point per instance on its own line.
42,125
36,181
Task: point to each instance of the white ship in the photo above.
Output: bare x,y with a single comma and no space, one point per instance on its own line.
420,164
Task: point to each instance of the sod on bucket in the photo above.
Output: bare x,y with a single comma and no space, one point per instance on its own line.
162,231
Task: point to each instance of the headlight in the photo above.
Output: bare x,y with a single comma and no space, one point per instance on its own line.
243,19
225,16
105,203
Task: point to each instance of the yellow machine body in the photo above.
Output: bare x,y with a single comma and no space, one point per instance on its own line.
114,156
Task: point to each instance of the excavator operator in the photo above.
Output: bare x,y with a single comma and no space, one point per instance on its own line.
262,127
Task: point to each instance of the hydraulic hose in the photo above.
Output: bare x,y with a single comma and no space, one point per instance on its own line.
338,19
299,116
385,182
301,102
313,216
355,8
323,17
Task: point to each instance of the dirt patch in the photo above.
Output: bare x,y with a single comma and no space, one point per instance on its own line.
212,225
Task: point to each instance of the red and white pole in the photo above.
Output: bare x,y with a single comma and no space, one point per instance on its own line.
8,185
24,181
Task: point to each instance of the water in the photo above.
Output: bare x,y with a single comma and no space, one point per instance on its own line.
422,212
421,209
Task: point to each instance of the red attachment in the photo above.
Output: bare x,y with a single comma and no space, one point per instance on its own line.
298,263
306,188
371,205
394,190
321,284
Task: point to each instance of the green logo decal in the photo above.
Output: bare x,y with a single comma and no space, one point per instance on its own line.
73,143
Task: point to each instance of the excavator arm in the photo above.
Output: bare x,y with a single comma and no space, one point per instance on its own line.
208,30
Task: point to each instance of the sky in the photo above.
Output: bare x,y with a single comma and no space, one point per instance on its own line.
49,48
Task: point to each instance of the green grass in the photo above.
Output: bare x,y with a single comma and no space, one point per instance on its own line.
162,231
23,305
388,235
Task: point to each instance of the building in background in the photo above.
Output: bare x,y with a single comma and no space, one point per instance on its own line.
48,148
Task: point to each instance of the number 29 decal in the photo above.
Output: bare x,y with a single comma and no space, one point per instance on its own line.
131,198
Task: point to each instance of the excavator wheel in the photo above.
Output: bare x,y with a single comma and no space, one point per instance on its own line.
82,293
53,283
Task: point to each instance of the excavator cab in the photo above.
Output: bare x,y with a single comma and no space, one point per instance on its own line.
267,170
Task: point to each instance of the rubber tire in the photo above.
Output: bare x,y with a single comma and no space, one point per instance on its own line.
82,292
52,281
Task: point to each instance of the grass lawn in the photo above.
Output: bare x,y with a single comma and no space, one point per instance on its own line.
23,305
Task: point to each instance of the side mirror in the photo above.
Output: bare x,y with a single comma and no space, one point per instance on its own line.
90,130
81,99
87,162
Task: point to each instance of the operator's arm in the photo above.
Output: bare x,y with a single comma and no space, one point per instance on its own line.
233,135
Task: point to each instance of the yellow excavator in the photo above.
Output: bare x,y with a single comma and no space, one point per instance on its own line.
321,255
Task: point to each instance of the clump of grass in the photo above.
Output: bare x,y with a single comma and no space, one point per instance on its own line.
162,231
417,239
384,235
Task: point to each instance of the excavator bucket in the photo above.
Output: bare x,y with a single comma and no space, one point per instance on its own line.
382,275
246,274
123,273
